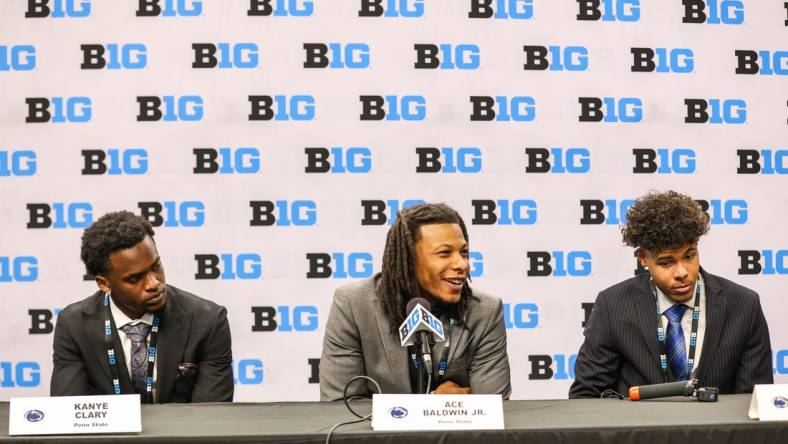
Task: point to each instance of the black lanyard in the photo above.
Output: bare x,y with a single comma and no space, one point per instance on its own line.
113,362
443,363
663,359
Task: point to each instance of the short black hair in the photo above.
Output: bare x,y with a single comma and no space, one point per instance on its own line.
111,232
664,221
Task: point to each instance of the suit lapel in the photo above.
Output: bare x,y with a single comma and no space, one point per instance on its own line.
93,322
396,355
174,329
715,317
646,311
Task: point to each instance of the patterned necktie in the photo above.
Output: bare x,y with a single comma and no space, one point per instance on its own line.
674,346
139,356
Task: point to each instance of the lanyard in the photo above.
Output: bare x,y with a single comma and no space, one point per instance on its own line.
663,359
414,361
113,362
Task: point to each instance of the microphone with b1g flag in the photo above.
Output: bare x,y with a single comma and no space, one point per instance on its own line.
418,327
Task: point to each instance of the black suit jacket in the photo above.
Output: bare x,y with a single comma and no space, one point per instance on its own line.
621,349
191,330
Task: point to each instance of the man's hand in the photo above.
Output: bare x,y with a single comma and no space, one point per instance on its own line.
451,388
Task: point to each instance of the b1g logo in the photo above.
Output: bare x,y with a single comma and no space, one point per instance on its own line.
183,108
338,160
282,213
169,8
225,55
756,162
664,161
613,212
18,269
557,160
171,214
466,160
558,263
504,212
770,63
781,362
17,58
391,8
228,266
248,372
393,108
382,212
729,111
300,318
41,320
20,374
447,56
502,9
609,10
570,58
520,316
60,215
552,367
282,108
244,160
767,262
114,56
59,9
713,12
336,55
503,108
280,8
64,109
668,60
114,162
18,163
345,265
610,109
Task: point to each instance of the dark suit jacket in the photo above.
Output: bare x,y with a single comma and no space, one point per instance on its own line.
358,341
621,349
192,330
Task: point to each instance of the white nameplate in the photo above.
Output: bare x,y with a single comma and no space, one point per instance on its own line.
769,402
437,412
75,414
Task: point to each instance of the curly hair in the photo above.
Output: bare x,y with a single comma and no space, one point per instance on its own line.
664,221
111,232
398,279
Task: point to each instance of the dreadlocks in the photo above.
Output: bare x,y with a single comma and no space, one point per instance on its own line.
398,279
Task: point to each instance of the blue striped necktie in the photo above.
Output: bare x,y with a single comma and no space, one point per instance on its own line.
138,334
674,347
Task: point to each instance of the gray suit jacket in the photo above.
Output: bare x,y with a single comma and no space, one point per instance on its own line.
621,349
358,341
192,330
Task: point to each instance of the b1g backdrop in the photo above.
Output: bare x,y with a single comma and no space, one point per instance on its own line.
272,142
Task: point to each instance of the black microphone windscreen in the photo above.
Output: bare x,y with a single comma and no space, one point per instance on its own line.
412,304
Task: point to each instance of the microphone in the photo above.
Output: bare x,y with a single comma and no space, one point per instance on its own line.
680,388
417,328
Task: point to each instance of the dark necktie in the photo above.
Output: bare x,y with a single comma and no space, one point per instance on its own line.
138,334
674,347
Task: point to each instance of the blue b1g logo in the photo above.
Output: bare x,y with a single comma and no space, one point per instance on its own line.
18,163
520,316
248,372
20,374
18,269
17,58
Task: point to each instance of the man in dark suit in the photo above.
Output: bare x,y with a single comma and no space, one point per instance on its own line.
161,342
638,332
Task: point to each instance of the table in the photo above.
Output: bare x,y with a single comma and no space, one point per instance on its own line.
663,421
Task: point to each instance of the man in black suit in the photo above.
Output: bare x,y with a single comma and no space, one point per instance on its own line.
677,321
161,342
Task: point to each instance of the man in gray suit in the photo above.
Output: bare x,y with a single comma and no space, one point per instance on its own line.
137,334
426,255
677,321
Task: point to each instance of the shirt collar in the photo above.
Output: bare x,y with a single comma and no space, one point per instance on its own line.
121,319
665,302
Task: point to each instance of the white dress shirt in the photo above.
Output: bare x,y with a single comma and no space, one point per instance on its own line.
686,321
120,320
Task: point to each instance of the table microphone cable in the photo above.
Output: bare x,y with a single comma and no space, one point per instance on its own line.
347,404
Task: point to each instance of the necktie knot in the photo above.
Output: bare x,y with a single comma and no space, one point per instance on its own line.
136,333
676,312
